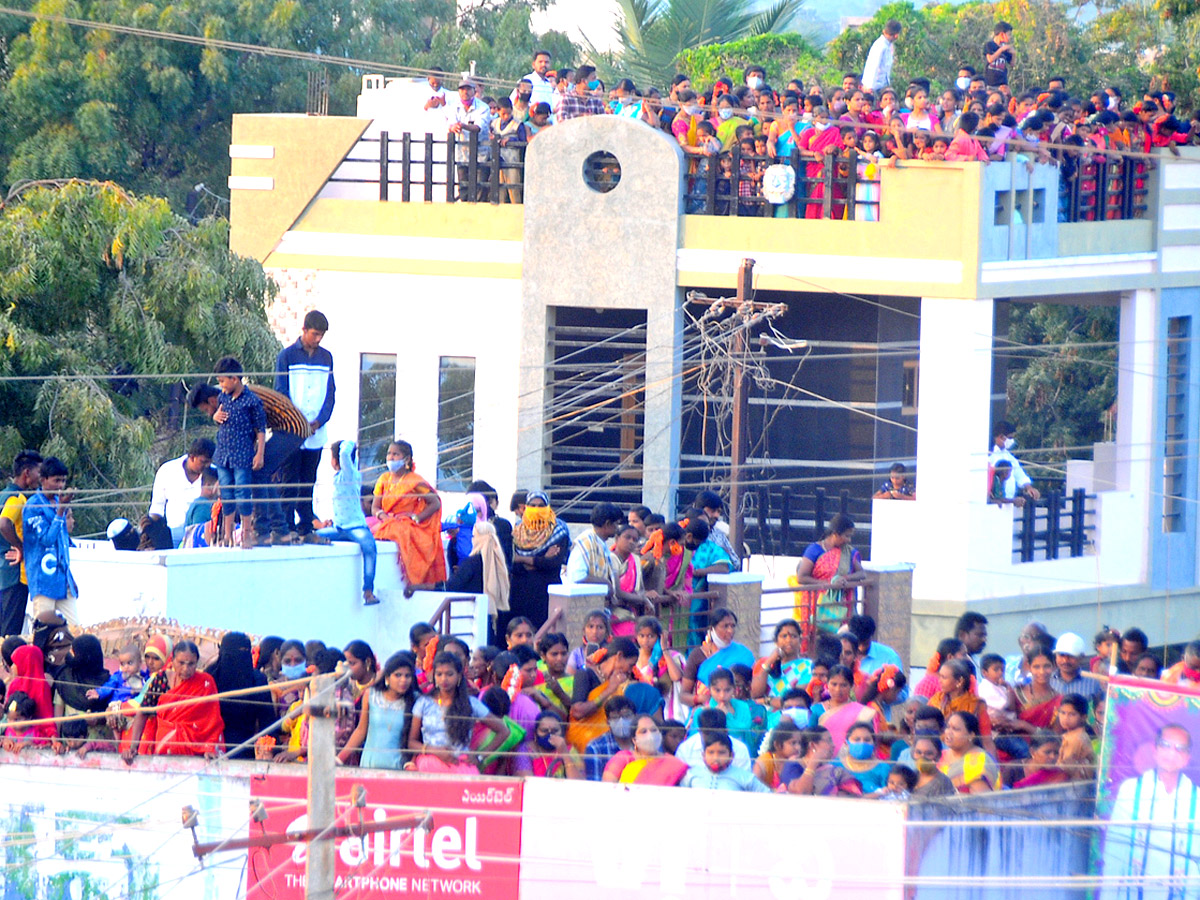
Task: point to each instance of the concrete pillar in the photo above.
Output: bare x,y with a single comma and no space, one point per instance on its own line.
742,593
575,600
604,250
1137,391
887,598
953,422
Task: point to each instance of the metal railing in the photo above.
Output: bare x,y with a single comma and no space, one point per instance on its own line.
1057,522
783,522
1104,189
727,184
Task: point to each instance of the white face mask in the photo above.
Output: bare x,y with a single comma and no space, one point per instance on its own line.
692,110
754,82
1113,103
820,126
650,742
963,83
908,102
1010,443
718,642
725,112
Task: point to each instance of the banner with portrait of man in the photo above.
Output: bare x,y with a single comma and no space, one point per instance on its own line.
1148,790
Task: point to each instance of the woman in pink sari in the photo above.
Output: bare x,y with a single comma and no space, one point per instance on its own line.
631,598
817,142
646,763
834,570
841,711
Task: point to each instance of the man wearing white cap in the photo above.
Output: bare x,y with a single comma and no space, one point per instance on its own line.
1069,655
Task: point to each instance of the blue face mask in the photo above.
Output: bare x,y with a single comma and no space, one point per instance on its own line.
293,672
395,465
799,715
543,741
860,751
593,85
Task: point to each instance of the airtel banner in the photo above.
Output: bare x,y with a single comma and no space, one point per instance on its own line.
471,850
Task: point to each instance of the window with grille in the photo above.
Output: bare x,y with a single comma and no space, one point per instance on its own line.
1175,424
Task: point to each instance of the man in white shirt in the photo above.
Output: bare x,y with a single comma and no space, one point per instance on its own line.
435,106
177,484
468,115
1002,446
591,562
543,87
877,73
1164,802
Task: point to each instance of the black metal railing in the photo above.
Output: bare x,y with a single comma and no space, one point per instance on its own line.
1057,522
475,170
833,187
1104,189
783,522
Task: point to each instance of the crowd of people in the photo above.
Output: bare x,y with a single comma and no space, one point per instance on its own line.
655,689
734,135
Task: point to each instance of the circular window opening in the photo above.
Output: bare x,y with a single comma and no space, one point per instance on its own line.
601,172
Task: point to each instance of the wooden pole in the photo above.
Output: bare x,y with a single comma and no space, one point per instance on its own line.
322,764
737,455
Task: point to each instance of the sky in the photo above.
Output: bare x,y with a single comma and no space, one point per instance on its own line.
580,19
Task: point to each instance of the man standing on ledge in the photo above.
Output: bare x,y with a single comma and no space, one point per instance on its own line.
304,373
877,73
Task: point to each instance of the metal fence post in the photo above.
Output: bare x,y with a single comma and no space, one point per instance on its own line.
1028,520
735,181
406,166
494,172
785,520
1078,510
851,185
451,165
827,173
383,165
819,514
1053,508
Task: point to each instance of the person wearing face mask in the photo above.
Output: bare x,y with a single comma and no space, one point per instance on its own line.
407,509
926,751
646,763
620,715
815,144
858,757
963,81
540,546
717,772
1003,443
685,125
581,100
755,77
549,756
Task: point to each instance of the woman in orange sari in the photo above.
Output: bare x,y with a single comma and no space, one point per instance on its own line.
192,730
407,509
957,694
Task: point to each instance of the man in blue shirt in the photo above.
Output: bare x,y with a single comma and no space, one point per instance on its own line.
52,588
304,373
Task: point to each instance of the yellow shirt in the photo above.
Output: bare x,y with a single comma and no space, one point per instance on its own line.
13,511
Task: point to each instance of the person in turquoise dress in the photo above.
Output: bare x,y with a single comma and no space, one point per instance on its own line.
707,559
739,717
386,710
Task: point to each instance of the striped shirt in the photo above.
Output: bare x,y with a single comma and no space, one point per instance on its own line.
282,414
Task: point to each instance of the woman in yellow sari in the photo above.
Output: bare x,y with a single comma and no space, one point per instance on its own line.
407,509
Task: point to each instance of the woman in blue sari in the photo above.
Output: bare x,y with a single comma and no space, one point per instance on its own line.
718,651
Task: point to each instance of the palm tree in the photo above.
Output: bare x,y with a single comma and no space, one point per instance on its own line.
654,32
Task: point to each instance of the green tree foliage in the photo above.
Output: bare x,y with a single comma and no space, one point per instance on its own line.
784,56
1058,398
938,39
155,115
98,284
653,33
